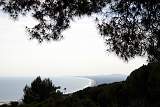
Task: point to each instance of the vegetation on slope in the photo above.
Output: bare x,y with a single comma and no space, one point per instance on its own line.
140,89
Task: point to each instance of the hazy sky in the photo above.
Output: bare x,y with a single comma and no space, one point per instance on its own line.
81,52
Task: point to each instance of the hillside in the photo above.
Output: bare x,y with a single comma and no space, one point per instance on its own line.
140,89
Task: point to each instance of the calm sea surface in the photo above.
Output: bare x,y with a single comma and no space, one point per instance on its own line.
12,88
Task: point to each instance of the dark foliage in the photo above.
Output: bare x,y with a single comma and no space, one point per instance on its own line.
40,90
140,89
130,27
54,16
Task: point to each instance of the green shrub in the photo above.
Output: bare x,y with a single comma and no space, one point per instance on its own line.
39,90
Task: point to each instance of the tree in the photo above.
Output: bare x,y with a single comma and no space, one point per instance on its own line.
133,28
129,27
39,90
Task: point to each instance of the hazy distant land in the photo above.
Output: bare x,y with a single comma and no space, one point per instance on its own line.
105,79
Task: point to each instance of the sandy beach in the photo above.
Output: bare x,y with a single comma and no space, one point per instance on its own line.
92,83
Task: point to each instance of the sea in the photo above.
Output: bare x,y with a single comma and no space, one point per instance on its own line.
11,88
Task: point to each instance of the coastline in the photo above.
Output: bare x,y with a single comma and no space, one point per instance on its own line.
89,83
92,83
4,102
